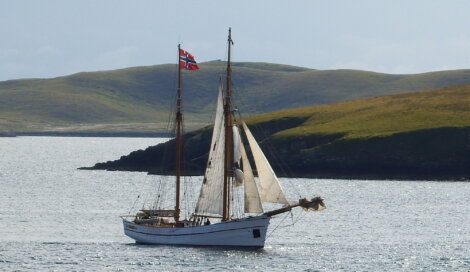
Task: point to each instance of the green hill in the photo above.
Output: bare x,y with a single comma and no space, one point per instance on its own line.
422,135
140,98
380,116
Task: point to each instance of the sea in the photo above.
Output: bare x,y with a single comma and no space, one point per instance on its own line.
54,217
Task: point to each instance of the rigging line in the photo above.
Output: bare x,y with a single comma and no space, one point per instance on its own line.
157,191
269,235
172,105
274,156
146,194
170,126
294,222
281,164
299,218
182,163
133,205
262,133
160,185
167,130
190,196
194,194
159,188
213,112
241,200
236,200
158,198
236,193
185,196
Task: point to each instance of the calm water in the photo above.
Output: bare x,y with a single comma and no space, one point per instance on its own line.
54,217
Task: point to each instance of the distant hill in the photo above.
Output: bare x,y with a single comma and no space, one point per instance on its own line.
139,98
422,135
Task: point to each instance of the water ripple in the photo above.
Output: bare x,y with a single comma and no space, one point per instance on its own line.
56,218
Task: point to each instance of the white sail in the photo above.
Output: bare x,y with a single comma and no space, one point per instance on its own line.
270,189
252,197
210,198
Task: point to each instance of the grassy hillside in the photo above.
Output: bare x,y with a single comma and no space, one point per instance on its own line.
141,97
380,116
422,135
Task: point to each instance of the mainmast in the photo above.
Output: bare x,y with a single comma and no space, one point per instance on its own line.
178,140
228,135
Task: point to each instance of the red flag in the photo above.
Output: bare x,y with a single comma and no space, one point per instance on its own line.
187,61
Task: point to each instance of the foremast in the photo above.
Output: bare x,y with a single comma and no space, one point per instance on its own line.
178,142
228,122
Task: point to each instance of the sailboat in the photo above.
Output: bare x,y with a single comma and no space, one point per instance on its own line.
228,169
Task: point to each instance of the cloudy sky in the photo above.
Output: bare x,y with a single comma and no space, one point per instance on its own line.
53,38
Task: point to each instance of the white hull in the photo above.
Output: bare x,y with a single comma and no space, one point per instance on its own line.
244,232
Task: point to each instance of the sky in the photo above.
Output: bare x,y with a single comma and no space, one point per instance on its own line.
42,39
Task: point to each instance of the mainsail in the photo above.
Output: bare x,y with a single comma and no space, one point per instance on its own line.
270,189
210,199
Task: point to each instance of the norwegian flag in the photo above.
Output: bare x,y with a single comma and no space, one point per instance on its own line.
187,61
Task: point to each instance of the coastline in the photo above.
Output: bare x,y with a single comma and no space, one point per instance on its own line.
335,176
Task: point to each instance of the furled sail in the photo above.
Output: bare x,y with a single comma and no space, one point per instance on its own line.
239,177
270,189
210,199
252,197
236,145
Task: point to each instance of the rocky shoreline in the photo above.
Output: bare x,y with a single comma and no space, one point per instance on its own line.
417,155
